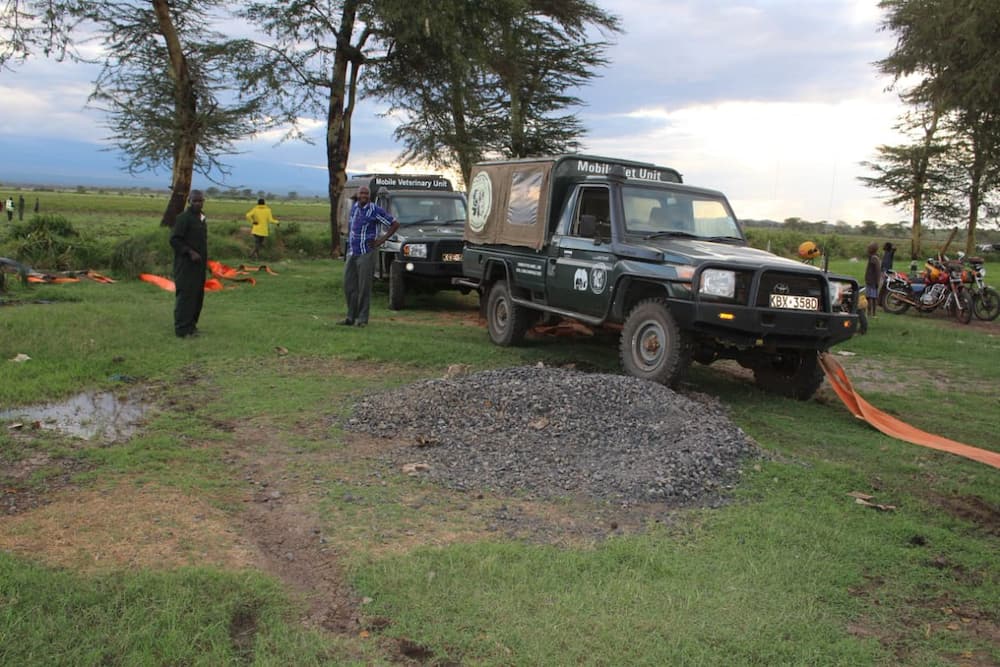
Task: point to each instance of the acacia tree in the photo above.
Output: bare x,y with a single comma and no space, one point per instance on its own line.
317,51
479,79
951,46
171,87
911,174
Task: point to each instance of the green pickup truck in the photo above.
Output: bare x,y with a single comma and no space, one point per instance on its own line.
618,243
425,254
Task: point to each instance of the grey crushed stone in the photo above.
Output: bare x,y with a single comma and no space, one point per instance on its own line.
550,432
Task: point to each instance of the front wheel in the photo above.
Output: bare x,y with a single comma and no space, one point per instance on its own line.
960,307
986,304
894,304
507,322
652,346
397,287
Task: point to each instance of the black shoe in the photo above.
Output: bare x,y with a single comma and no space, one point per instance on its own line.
346,323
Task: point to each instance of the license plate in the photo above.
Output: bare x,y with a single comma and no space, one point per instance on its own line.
452,257
794,302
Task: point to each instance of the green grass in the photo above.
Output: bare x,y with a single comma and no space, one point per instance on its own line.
187,617
792,572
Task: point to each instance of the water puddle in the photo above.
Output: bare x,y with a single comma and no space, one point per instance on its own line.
90,415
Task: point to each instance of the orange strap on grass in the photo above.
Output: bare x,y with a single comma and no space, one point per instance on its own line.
159,281
893,427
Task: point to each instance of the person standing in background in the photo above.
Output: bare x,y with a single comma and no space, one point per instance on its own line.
363,240
888,254
189,239
10,209
36,204
873,278
20,207
260,219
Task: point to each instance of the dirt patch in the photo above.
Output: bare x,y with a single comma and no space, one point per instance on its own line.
31,482
280,518
984,515
926,617
126,527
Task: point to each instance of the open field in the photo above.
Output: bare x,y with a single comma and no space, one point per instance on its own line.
242,523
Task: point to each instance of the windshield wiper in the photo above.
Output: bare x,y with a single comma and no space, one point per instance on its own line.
723,238
675,233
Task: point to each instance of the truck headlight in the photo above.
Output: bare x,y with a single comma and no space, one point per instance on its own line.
717,282
415,250
836,290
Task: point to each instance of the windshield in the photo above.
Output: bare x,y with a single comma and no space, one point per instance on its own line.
655,212
428,209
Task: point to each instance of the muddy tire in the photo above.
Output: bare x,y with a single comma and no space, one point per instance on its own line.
397,287
986,304
793,374
652,346
507,322
893,304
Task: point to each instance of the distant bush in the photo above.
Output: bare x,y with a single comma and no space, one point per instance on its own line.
46,241
147,253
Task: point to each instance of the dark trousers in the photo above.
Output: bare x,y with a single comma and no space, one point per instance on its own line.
358,272
189,282
258,243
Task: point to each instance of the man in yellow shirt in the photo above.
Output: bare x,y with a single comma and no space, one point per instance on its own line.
260,219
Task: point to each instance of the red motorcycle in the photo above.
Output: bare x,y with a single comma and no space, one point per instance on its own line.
940,285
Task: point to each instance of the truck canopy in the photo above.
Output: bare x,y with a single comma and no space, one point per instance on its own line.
516,202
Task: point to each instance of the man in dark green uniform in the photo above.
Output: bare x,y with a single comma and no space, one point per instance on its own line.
189,239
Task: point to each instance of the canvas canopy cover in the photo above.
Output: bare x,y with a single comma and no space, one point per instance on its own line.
515,202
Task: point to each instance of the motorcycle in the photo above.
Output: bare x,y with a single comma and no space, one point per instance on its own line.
938,286
985,299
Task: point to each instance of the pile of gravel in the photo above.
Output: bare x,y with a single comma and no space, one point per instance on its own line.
554,432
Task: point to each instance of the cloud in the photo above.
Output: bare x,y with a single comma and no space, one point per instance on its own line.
799,157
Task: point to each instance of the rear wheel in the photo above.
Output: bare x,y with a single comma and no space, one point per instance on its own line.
397,287
507,322
894,304
794,374
652,346
986,304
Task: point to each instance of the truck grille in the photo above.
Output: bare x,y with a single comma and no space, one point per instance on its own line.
792,284
442,248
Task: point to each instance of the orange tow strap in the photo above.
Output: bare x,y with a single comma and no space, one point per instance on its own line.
220,270
893,427
211,285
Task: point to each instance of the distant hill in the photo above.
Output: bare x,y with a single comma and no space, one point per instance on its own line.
59,162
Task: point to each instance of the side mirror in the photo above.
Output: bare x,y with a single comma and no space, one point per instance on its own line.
588,225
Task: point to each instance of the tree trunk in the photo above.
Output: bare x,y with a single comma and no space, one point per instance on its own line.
465,157
338,117
185,118
918,206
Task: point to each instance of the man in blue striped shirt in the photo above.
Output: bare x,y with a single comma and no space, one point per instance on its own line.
364,224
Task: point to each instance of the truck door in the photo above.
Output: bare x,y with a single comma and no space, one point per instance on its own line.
580,260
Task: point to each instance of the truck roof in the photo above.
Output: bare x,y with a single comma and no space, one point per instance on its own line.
415,182
577,165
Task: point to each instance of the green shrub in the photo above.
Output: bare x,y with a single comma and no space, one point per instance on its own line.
45,241
147,253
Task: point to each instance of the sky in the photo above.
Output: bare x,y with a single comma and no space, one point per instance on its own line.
773,102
